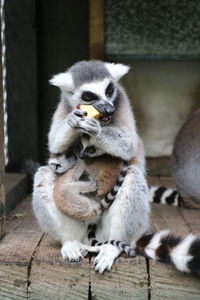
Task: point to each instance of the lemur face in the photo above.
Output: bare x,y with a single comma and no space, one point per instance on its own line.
91,82
101,94
87,150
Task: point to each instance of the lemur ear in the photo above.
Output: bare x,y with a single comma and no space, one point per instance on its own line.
117,70
63,81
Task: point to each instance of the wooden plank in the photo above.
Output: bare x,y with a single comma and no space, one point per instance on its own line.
154,181
16,189
192,219
16,251
168,217
167,283
59,281
128,279
2,209
168,182
13,281
2,176
21,219
54,278
96,30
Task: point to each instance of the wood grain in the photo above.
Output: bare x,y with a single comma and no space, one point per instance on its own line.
128,279
167,283
154,181
192,219
168,182
54,278
168,217
31,266
96,29
2,179
13,281
16,250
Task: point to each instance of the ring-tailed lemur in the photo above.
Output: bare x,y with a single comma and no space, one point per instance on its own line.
96,83
185,168
128,218
186,161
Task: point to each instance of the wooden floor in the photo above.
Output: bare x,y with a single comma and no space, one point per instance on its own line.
32,267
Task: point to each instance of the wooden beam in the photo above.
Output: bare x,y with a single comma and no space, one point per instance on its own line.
96,30
2,178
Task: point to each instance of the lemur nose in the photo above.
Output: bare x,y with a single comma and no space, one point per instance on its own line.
109,109
105,108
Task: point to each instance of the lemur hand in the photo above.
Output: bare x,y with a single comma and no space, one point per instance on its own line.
77,119
90,126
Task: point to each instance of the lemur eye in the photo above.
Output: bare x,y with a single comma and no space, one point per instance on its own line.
89,96
110,89
91,150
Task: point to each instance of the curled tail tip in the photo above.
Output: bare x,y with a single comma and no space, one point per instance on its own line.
164,195
183,253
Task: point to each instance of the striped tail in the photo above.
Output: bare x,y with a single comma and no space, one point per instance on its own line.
121,245
162,246
163,195
110,197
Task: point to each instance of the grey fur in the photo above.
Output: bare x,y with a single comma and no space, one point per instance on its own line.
128,217
88,71
186,158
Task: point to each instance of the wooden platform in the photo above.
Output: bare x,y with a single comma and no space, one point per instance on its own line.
32,267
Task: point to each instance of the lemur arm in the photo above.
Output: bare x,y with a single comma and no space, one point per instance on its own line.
62,133
117,142
119,139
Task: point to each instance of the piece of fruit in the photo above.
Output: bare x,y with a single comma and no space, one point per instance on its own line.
92,112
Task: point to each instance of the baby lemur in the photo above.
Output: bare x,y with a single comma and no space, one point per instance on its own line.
105,173
101,182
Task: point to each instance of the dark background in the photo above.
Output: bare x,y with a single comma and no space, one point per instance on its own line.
42,38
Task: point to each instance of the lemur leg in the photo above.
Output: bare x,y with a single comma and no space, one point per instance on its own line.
126,220
71,200
53,221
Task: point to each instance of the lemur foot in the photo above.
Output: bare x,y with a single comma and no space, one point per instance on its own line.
74,251
61,164
105,258
44,176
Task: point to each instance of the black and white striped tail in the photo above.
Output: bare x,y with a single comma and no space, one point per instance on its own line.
121,245
110,197
163,195
162,246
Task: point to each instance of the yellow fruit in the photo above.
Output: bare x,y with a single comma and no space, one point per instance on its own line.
92,112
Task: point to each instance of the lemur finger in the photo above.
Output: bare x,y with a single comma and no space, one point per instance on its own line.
103,265
80,113
88,129
75,117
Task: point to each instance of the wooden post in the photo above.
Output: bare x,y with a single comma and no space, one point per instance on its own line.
2,177
96,30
